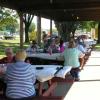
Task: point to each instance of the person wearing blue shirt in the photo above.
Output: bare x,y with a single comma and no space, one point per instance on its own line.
20,79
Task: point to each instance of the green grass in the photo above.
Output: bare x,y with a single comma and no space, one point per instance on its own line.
10,43
97,47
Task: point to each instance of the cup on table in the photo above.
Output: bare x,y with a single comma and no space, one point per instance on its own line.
3,68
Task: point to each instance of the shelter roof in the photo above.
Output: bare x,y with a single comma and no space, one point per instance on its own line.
60,10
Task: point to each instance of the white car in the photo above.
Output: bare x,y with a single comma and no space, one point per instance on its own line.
89,42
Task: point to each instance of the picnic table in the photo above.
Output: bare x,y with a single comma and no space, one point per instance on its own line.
45,55
45,59
44,73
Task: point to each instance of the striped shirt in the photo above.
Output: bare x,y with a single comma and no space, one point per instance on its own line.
20,78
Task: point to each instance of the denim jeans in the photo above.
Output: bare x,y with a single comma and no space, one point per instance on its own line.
75,72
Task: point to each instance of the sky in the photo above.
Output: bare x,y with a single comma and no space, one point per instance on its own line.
45,23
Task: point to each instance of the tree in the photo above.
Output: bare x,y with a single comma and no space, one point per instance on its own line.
27,19
8,19
5,12
32,27
87,25
65,28
9,23
32,32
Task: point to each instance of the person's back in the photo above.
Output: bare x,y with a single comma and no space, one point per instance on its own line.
71,56
20,78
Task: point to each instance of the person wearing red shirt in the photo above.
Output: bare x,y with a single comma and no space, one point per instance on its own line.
9,56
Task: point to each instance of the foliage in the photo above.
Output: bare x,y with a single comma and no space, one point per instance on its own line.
33,35
87,25
9,23
8,20
65,28
5,12
91,24
54,31
32,27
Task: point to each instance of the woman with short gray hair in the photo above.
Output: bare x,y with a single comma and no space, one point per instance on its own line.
20,78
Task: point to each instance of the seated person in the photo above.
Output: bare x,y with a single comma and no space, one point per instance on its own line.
20,79
33,47
81,47
67,43
46,45
57,40
8,59
62,46
44,37
53,47
9,56
71,57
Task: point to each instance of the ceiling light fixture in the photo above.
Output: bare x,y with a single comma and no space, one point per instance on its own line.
77,18
51,1
64,10
72,15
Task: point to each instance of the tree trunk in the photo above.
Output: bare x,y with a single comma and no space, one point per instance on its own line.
26,33
73,33
21,29
38,30
50,27
65,28
27,21
98,33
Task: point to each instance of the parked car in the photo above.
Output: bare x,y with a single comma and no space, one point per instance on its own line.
1,35
9,37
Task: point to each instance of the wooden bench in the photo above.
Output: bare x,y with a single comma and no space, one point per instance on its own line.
40,98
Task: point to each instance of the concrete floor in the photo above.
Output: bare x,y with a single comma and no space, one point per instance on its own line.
88,88
84,91
62,89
